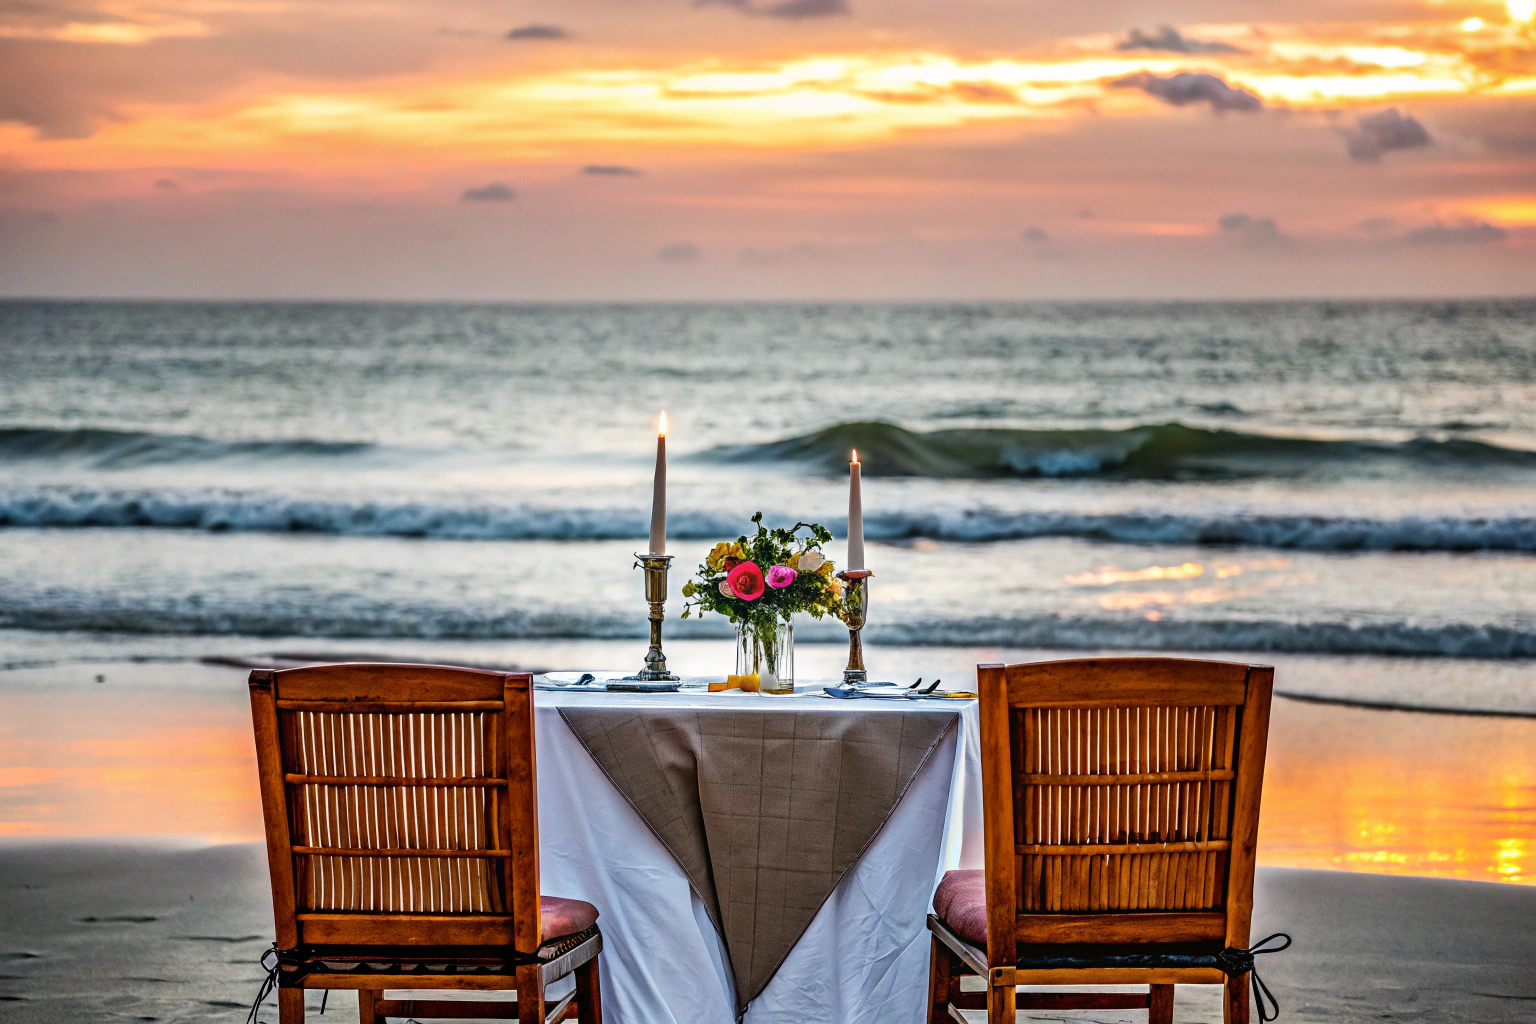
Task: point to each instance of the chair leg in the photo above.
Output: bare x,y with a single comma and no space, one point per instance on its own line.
367,1007
940,968
290,1005
1160,1005
1001,1004
589,994
530,994
1235,1001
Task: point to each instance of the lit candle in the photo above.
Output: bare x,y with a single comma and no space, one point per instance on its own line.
855,515
659,492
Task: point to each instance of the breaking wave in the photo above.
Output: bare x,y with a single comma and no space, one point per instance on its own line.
1166,451
124,449
230,511
356,616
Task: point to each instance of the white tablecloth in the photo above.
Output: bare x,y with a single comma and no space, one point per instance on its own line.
864,957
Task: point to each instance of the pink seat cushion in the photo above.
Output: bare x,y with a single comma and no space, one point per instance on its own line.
559,917
961,902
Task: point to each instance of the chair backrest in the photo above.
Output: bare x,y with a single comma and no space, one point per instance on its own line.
1121,799
400,805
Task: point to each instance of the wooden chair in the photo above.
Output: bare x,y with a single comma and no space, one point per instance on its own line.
1121,799
402,837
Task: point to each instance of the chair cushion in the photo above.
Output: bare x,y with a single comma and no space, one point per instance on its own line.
961,902
559,917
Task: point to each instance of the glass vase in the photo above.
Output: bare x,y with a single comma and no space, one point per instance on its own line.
770,652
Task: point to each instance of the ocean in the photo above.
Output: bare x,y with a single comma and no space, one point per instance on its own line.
1307,479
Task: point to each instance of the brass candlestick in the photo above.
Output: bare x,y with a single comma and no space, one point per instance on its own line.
655,675
855,607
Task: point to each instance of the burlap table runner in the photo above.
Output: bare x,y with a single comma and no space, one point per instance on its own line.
762,856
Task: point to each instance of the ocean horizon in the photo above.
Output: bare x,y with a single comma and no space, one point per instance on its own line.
1339,478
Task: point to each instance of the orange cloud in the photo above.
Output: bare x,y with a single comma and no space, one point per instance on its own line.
797,101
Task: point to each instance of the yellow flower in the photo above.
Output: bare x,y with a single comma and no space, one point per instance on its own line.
825,570
836,586
718,554
793,562
737,551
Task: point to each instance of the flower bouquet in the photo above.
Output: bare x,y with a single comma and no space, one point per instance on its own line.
759,582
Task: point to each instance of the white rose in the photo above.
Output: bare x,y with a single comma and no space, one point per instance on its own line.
810,561
725,589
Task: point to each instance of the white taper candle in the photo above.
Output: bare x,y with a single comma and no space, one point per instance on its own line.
659,492
855,515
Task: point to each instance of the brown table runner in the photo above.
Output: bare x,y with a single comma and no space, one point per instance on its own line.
762,856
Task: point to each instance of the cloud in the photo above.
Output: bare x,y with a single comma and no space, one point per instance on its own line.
680,252
1250,230
1466,231
807,9
611,171
1085,214
984,92
1168,39
1037,235
791,10
1187,87
69,90
1382,132
538,32
166,183
495,192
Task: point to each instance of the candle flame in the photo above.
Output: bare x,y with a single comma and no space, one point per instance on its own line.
661,429
855,455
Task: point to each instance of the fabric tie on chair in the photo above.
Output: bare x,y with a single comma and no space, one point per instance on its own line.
1237,962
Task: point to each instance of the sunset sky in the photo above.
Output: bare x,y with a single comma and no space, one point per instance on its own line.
818,149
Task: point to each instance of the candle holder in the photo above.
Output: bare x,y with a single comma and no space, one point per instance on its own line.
654,677
855,607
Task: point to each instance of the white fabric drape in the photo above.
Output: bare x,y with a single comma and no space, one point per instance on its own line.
864,957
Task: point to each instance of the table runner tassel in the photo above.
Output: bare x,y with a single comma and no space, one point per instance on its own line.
1240,961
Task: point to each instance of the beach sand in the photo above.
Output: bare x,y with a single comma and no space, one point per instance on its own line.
99,931
98,922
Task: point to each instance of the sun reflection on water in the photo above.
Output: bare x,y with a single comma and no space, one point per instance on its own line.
1399,793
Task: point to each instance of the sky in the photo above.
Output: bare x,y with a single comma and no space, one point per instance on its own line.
564,150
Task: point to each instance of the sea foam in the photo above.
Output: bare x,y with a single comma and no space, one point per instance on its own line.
479,520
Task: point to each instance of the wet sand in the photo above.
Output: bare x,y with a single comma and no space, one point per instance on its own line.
97,931
164,749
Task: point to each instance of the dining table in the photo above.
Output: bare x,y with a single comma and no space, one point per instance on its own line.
753,857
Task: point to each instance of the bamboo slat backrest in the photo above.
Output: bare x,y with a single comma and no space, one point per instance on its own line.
1122,798
400,804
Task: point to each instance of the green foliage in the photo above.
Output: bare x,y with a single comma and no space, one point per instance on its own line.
815,591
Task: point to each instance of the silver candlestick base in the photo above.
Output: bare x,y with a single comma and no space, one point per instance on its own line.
855,607
655,675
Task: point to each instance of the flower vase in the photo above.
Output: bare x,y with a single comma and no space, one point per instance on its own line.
770,653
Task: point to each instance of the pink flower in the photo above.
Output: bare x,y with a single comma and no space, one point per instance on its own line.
781,576
746,581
